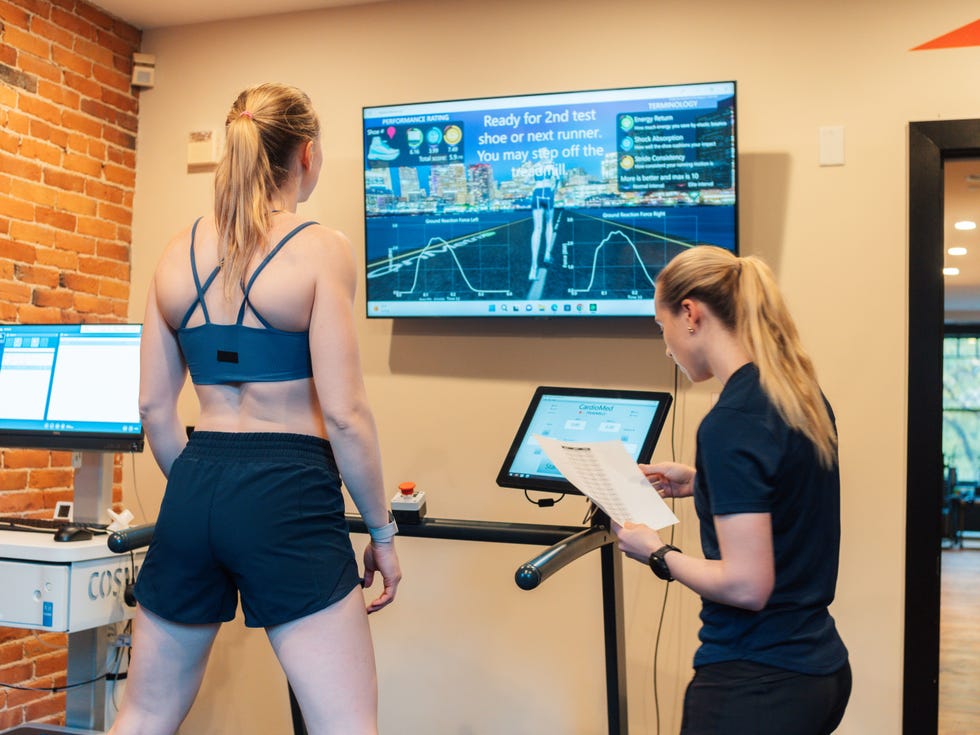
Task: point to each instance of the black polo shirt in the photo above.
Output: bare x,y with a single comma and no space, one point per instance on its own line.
750,461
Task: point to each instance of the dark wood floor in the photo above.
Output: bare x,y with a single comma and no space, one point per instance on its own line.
959,654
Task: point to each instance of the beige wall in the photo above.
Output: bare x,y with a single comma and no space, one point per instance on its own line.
464,651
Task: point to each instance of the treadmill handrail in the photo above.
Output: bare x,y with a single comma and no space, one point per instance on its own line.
130,538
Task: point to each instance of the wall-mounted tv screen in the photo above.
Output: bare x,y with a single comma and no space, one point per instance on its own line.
70,386
545,205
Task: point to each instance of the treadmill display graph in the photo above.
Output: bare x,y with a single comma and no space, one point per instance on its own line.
462,267
591,257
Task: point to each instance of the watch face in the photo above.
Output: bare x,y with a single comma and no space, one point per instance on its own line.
658,565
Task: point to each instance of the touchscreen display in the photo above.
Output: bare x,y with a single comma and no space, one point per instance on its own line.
583,415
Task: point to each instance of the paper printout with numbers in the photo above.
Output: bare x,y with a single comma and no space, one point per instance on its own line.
605,472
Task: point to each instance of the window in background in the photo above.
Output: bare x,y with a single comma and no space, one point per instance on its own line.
961,408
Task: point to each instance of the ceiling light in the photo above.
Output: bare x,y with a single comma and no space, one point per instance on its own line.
957,251
965,225
951,271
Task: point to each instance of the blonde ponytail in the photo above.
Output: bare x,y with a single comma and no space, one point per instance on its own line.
769,335
264,127
743,295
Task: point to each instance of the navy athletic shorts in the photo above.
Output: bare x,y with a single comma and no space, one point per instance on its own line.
260,515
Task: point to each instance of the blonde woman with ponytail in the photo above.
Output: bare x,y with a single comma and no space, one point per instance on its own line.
766,490
256,304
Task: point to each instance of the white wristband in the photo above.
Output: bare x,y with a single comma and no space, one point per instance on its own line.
384,533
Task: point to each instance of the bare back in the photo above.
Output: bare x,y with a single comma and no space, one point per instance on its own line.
284,293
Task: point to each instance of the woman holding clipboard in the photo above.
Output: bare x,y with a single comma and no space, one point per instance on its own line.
766,489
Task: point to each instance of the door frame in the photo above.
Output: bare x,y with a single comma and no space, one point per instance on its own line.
930,144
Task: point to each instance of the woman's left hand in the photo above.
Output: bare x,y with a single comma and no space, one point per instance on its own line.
636,540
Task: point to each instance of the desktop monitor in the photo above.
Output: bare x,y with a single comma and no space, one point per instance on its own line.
70,387
634,417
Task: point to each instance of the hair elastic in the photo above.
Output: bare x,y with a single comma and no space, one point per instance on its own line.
246,113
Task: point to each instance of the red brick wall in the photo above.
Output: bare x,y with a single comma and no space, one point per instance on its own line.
68,121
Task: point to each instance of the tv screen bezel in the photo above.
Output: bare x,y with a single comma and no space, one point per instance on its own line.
541,98
561,485
72,441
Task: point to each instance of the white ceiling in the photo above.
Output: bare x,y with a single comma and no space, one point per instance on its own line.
147,14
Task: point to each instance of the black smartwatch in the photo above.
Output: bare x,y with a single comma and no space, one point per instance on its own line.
658,565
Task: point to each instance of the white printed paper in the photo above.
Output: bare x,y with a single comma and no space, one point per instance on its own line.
606,473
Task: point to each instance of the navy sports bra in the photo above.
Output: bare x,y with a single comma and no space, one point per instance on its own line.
234,353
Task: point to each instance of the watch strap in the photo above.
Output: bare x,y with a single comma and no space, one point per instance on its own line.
384,533
659,565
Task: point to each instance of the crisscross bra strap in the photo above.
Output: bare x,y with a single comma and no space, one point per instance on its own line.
197,282
265,261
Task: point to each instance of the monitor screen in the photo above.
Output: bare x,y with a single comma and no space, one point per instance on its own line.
636,418
547,205
70,386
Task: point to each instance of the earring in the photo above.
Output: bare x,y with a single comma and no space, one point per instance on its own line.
691,330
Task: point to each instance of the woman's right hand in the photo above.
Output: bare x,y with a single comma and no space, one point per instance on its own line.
670,479
381,558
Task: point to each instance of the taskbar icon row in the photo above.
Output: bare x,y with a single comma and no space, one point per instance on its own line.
511,308
541,308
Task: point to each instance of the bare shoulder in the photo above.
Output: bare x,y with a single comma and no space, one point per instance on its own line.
172,279
327,242
329,250
176,253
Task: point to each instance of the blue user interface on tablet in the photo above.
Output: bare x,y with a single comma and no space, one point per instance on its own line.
633,417
576,418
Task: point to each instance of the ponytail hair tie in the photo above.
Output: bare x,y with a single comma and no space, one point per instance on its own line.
246,113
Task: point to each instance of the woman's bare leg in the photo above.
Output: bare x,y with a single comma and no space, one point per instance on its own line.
328,658
165,674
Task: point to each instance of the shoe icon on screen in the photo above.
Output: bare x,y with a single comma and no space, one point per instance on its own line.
381,151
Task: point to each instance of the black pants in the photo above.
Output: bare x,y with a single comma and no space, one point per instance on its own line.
745,698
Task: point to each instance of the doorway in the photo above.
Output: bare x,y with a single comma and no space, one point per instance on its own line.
930,145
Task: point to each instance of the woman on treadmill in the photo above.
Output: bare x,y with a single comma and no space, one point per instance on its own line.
257,304
766,489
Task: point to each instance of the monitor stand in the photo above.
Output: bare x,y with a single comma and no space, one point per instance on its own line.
88,650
